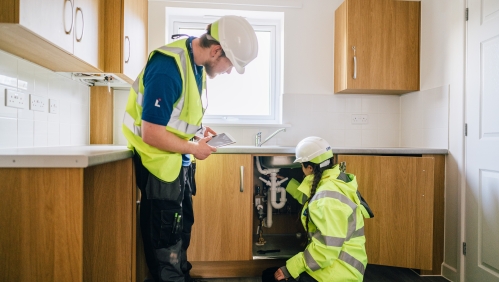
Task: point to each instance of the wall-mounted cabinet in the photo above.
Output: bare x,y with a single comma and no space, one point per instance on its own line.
58,35
376,47
125,43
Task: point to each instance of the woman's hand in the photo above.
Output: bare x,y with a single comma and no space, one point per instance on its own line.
278,275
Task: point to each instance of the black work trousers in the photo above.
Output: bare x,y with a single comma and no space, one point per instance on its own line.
268,276
166,219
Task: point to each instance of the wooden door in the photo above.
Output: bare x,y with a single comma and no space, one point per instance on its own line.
135,38
400,191
385,35
87,32
50,19
42,224
482,142
223,209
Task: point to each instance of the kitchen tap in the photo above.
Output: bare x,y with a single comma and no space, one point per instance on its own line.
258,137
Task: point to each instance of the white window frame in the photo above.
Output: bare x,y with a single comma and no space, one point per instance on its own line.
272,25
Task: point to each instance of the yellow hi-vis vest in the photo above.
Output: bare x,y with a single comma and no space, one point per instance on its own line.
336,249
185,119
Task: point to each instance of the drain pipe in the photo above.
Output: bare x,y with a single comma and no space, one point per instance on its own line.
274,189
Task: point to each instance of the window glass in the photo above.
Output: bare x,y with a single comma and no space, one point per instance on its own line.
252,97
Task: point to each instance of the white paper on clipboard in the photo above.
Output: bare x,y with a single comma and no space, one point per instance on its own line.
222,139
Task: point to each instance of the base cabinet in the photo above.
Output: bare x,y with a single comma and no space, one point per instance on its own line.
68,224
406,195
222,209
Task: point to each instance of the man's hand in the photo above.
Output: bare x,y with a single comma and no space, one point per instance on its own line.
203,150
157,136
209,132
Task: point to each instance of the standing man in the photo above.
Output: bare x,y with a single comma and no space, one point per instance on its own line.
163,113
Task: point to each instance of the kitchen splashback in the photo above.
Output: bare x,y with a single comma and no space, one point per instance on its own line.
22,127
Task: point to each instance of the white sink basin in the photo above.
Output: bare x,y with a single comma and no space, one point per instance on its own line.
278,162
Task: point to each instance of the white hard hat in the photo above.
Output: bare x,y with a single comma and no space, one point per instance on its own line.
238,40
313,149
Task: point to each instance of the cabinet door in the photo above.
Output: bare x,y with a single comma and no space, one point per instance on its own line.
385,35
86,31
135,37
223,209
50,19
400,191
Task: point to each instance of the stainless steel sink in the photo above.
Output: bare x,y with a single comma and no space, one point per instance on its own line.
278,162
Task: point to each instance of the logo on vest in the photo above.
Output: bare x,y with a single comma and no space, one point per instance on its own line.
157,103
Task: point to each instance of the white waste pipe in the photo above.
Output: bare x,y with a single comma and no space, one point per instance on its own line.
273,192
268,222
283,199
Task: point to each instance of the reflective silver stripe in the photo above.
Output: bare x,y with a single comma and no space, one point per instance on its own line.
358,233
182,125
310,261
140,96
140,99
135,85
175,122
336,195
181,52
328,240
352,219
355,263
129,122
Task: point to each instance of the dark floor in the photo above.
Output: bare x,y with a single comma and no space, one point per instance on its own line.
374,273
379,273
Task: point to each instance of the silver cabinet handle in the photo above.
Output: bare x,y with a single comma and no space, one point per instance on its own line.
82,24
128,39
354,63
64,16
241,184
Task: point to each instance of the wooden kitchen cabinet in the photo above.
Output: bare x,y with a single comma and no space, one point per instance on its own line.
406,195
125,44
68,224
386,38
221,242
223,209
58,35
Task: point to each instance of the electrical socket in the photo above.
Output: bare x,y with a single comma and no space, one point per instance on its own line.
37,103
360,119
14,99
53,106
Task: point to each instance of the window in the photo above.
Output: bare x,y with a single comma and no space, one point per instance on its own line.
255,96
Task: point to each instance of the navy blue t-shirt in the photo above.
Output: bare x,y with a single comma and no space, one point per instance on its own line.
163,87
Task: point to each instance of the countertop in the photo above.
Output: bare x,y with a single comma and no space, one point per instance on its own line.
233,149
90,155
70,156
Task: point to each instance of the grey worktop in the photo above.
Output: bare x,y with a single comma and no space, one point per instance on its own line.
90,155
70,156
337,150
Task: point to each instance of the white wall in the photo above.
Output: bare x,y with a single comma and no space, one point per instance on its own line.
27,128
311,108
309,105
